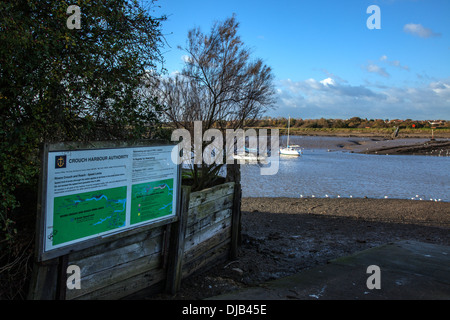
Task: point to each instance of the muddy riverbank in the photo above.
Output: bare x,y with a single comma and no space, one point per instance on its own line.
283,236
428,147
374,145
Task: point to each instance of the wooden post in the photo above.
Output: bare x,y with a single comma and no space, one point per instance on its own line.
234,174
236,221
44,281
176,246
62,277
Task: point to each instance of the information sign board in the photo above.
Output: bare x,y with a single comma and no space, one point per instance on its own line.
91,193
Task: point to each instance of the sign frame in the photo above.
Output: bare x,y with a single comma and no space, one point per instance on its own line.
97,239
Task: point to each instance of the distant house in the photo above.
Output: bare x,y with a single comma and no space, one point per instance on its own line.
437,122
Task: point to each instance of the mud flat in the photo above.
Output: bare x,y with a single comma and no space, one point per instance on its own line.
414,147
283,236
375,145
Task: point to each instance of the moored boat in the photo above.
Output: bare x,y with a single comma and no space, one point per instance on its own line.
290,150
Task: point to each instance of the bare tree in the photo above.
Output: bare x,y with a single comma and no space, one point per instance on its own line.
220,84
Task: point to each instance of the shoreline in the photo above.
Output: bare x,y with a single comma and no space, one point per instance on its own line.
373,145
435,147
285,236
367,133
402,211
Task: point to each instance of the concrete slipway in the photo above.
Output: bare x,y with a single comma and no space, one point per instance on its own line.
409,270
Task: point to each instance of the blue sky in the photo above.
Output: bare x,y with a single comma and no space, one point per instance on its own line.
326,61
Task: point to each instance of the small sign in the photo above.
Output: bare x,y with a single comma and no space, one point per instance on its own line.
60,161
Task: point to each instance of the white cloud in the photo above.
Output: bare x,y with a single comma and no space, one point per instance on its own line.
419,30
394,63
375,68
442,89
378,70
328,82
331,98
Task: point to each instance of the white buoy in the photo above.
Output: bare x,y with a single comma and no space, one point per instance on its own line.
385,197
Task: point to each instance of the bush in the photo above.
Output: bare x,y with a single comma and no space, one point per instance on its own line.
61,84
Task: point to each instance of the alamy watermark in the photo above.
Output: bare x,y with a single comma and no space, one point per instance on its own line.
374,21
74,20
74,278
234,149
373,281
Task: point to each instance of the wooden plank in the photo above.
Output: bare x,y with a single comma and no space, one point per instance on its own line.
206,234
206,208
112,258
127,287
118,243
219,238
177,239
146,292
208,260
118,274
210,194
207,221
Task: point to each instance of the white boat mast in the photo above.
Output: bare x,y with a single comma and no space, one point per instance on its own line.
289,124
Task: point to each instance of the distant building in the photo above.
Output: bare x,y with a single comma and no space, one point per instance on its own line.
437,122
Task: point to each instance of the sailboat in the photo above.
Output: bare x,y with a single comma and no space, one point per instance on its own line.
290,150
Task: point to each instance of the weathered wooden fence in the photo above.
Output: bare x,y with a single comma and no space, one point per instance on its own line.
208,229
151,259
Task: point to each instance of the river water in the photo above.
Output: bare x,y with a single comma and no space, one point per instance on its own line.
325,170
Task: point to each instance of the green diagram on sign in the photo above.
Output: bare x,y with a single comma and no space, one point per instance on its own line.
89,213
151,200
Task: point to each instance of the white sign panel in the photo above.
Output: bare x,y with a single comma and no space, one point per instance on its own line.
92,193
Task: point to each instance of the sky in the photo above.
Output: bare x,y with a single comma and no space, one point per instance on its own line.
326,61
